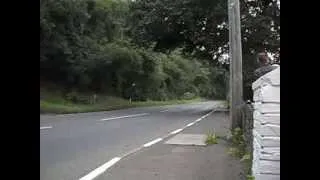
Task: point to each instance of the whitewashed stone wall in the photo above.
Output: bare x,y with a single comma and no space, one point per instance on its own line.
266,128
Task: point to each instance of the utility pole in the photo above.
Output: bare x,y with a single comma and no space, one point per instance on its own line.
235,55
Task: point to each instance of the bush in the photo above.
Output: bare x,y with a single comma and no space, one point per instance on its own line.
188,96
81,51
78,98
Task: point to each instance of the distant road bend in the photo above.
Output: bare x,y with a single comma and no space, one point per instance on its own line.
81,146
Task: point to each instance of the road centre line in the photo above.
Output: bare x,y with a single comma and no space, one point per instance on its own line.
128,116
45,127
165,110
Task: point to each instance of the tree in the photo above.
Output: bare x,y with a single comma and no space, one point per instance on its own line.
85,45
194,24
200,28
73,36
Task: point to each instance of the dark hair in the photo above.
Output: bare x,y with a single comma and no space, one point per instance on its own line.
263,58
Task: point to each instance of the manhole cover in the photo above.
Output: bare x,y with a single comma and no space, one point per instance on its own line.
188,139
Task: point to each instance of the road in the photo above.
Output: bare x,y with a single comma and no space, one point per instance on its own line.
73,145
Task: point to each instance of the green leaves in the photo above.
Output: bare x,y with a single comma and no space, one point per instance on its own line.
211,138
72,36
191,24
85,45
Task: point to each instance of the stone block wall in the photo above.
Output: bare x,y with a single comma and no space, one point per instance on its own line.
266,127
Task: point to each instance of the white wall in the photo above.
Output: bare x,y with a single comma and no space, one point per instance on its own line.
266,128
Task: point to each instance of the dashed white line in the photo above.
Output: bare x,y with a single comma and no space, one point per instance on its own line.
190,124
152,142
165,110
128,116
176,131
205,116
198,119
93,174
45,127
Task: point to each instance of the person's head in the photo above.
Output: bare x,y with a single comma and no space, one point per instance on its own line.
263,58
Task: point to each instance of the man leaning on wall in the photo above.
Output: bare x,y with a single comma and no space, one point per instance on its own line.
264,65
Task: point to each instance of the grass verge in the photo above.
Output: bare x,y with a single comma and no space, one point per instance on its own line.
211,138
239,150
59,106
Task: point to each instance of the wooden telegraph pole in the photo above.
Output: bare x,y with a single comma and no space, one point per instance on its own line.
235,54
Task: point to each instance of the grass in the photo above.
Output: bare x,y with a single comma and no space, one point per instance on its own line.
238,149
211,138
58,105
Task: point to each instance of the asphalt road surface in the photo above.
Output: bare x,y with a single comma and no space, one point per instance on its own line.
74,145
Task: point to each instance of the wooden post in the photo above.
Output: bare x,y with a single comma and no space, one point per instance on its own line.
236,87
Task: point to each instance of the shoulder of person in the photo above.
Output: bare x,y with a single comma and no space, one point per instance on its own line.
257,70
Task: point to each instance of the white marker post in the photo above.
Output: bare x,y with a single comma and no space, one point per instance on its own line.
133,85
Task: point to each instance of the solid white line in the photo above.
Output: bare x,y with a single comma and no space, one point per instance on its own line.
176,131
152,142
45,127
165,110
190,124
128,116
93,174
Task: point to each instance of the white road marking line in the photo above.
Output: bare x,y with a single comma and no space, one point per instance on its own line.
120,117
93,174
132,151
45,127
176,131
198,119
165,110
190,124
152,142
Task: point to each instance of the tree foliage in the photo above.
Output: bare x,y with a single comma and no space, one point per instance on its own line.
200,28
85,46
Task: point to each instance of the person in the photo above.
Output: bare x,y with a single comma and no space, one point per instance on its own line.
264,65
